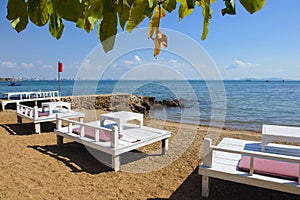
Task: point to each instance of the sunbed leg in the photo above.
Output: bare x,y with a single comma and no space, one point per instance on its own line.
59,140
165,146
205,186
19,119
81,119
116,163
37,128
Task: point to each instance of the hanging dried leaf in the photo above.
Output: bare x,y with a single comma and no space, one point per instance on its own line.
156,47
154,23
160,41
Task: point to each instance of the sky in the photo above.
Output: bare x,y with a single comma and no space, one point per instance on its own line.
263,45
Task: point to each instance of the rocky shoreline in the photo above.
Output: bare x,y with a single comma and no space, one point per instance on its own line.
118,102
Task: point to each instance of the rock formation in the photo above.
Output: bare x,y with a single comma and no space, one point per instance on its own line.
118,102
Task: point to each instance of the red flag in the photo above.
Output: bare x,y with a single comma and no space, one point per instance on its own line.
59,67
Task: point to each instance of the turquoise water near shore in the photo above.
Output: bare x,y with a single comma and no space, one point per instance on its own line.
244,105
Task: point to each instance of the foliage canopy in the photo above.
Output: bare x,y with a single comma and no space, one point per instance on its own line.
107,14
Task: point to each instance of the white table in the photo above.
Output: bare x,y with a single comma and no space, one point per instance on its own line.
272,133
121,118
53,105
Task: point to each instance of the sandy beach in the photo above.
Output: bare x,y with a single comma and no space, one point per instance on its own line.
33,167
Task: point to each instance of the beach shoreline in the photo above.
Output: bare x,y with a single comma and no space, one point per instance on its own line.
33,167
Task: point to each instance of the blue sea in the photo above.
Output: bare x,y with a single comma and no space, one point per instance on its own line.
240,105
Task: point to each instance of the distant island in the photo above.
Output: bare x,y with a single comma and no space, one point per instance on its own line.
7,79
262,79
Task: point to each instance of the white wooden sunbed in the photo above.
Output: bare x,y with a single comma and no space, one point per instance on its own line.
18,97
131,137
277,133
221,162
45,114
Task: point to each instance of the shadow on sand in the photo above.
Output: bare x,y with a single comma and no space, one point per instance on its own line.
27,128
225,190
83,159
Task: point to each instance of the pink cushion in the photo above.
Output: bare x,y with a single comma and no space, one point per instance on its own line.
90,133
269,167
41,114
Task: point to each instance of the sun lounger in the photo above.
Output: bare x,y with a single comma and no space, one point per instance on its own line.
108,139
272,133
46,113
18,97
243,162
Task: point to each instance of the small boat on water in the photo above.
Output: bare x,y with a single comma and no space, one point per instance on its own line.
14,84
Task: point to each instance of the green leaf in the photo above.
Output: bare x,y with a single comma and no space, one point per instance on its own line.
169,5
184,10
190,3
15,9
108,30
70,10
149,11
253,5
20,23
39,11
123,12
230,7
89,24
137,14
86,24
56,26
95,10
206,12
109,6
128,2
17,14
80,23
150,3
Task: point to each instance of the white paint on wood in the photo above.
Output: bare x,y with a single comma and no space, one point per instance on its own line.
136,136
31,114
227,155
277,133
207,153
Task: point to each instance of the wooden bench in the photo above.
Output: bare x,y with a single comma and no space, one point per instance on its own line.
114,143
272,133
221,162
39,115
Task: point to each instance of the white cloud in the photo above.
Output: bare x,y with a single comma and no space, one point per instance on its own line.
86,63
8,64
128,62
137,59
240,64
27,65
46,66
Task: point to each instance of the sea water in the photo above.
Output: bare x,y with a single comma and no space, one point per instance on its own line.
244,105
